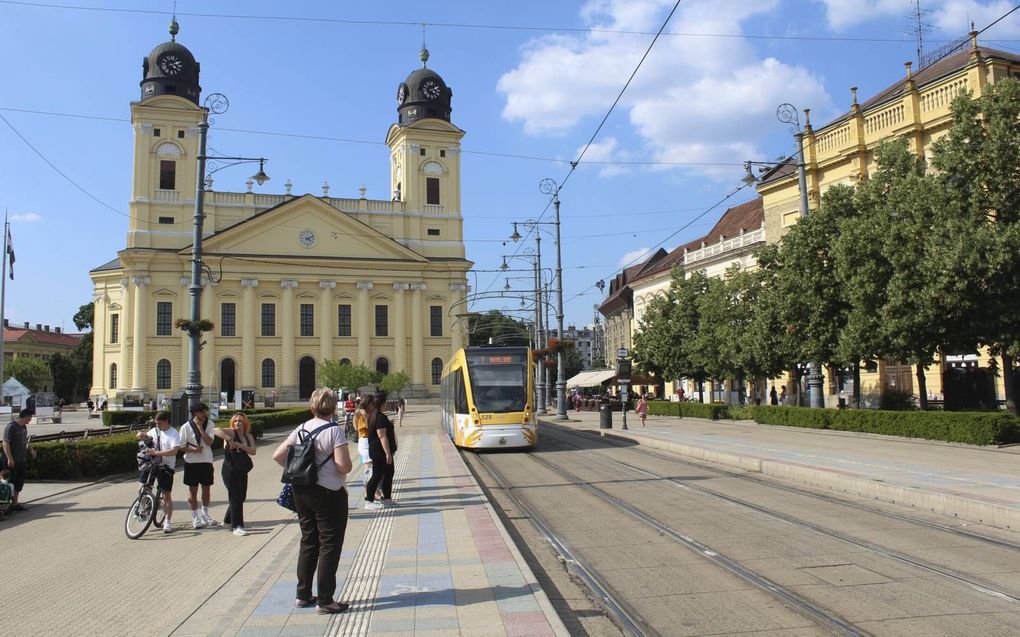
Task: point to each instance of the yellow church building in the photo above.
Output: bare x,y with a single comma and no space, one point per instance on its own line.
289,280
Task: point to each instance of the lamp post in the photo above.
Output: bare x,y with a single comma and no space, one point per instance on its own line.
215,103
539,331
787,114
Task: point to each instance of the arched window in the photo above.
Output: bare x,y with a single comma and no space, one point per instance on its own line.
163,374
382,365
268,373
113,376
345,361
437,370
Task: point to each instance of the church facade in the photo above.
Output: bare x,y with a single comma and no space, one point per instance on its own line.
289,280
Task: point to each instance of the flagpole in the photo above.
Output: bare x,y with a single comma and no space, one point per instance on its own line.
3,298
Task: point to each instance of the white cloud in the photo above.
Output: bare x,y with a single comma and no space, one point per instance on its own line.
693,100
953,17
28,216
634,257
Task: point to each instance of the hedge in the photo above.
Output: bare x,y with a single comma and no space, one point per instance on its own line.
976,428
109,455
120,418
692,410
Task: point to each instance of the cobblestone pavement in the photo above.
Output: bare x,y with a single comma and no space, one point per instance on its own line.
440,563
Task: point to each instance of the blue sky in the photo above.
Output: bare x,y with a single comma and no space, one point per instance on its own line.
313,84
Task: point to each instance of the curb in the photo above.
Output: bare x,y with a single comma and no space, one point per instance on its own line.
948,505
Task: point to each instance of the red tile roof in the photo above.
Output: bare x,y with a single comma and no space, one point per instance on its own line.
16,334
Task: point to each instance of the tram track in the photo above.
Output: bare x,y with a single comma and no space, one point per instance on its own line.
818,609
744,476
789,519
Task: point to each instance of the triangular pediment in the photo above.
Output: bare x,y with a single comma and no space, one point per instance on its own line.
308,228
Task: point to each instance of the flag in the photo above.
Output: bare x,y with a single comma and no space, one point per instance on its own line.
10,251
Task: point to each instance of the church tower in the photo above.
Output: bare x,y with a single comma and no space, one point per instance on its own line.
425,145
164,121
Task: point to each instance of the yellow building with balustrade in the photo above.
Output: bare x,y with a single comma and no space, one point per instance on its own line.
291,280
842,152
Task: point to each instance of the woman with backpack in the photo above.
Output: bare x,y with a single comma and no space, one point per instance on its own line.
382,444
321,504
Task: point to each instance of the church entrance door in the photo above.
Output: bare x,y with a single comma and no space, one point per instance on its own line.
227,379
306,377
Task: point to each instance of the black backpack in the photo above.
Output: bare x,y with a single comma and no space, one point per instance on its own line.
301,468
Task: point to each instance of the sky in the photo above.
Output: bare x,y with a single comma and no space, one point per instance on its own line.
536,85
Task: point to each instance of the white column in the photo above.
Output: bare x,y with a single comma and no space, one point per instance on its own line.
207,354
363,321
288,366
248,379
399,329
100,329
417,335
326,324
139,360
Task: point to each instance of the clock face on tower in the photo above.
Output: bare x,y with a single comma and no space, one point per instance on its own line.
171,64
306,238
401,93
430,89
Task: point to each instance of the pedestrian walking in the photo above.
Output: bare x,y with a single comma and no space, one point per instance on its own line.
196,442
782,395
401,406
321,507
238,450
16,452
642,409
773,396
361,424
382,444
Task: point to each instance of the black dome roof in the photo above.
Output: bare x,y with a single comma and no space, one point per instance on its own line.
423,95
171,69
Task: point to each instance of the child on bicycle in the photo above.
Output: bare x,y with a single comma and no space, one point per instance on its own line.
160,444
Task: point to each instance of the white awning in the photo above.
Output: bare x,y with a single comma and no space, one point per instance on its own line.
591,378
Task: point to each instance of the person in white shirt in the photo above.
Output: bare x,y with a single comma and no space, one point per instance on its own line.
165,443
196,442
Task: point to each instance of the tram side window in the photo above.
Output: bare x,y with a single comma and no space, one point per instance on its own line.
459,393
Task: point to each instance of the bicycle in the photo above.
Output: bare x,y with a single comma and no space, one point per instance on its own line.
146,509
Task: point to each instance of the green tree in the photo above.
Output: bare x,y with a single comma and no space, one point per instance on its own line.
394,383
573,364
503,329
81,356
31,372
977,164
336,374
65,379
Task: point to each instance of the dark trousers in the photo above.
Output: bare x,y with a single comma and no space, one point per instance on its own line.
322,515
382,477
237,491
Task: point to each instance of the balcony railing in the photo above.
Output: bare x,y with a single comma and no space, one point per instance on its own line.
726,245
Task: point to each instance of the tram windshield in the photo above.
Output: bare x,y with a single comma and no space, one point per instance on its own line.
499,380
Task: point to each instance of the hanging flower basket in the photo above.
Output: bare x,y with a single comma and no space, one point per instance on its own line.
194,328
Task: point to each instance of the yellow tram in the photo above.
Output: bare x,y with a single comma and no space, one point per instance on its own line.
487,398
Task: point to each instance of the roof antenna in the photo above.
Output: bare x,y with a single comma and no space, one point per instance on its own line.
174,27
919,29
424,50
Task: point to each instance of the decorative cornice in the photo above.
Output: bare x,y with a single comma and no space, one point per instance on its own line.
365,285
327,284
288,283
140,281
249,283
400,287
458,287
418,287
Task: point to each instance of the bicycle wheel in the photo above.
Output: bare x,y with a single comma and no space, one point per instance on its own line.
160,511
139,516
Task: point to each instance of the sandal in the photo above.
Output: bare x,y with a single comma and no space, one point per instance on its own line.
334,608
303,603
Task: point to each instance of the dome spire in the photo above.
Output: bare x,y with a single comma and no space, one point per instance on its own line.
174,27
424,50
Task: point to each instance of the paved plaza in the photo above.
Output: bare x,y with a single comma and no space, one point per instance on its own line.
440,563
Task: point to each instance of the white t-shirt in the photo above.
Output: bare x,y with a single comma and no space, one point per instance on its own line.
188,437
325,442
163,440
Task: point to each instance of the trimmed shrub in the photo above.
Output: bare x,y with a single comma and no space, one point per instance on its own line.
740,412
692,410
262,419
893,399
86,458
976,428
119,418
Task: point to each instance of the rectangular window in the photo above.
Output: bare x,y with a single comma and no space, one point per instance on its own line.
442,152
421,151
156,132
269,319
435,320
166,220
343,320
432,190
382,320
180,134
307,319
228,319
164,313
433,232
114,328
167,174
